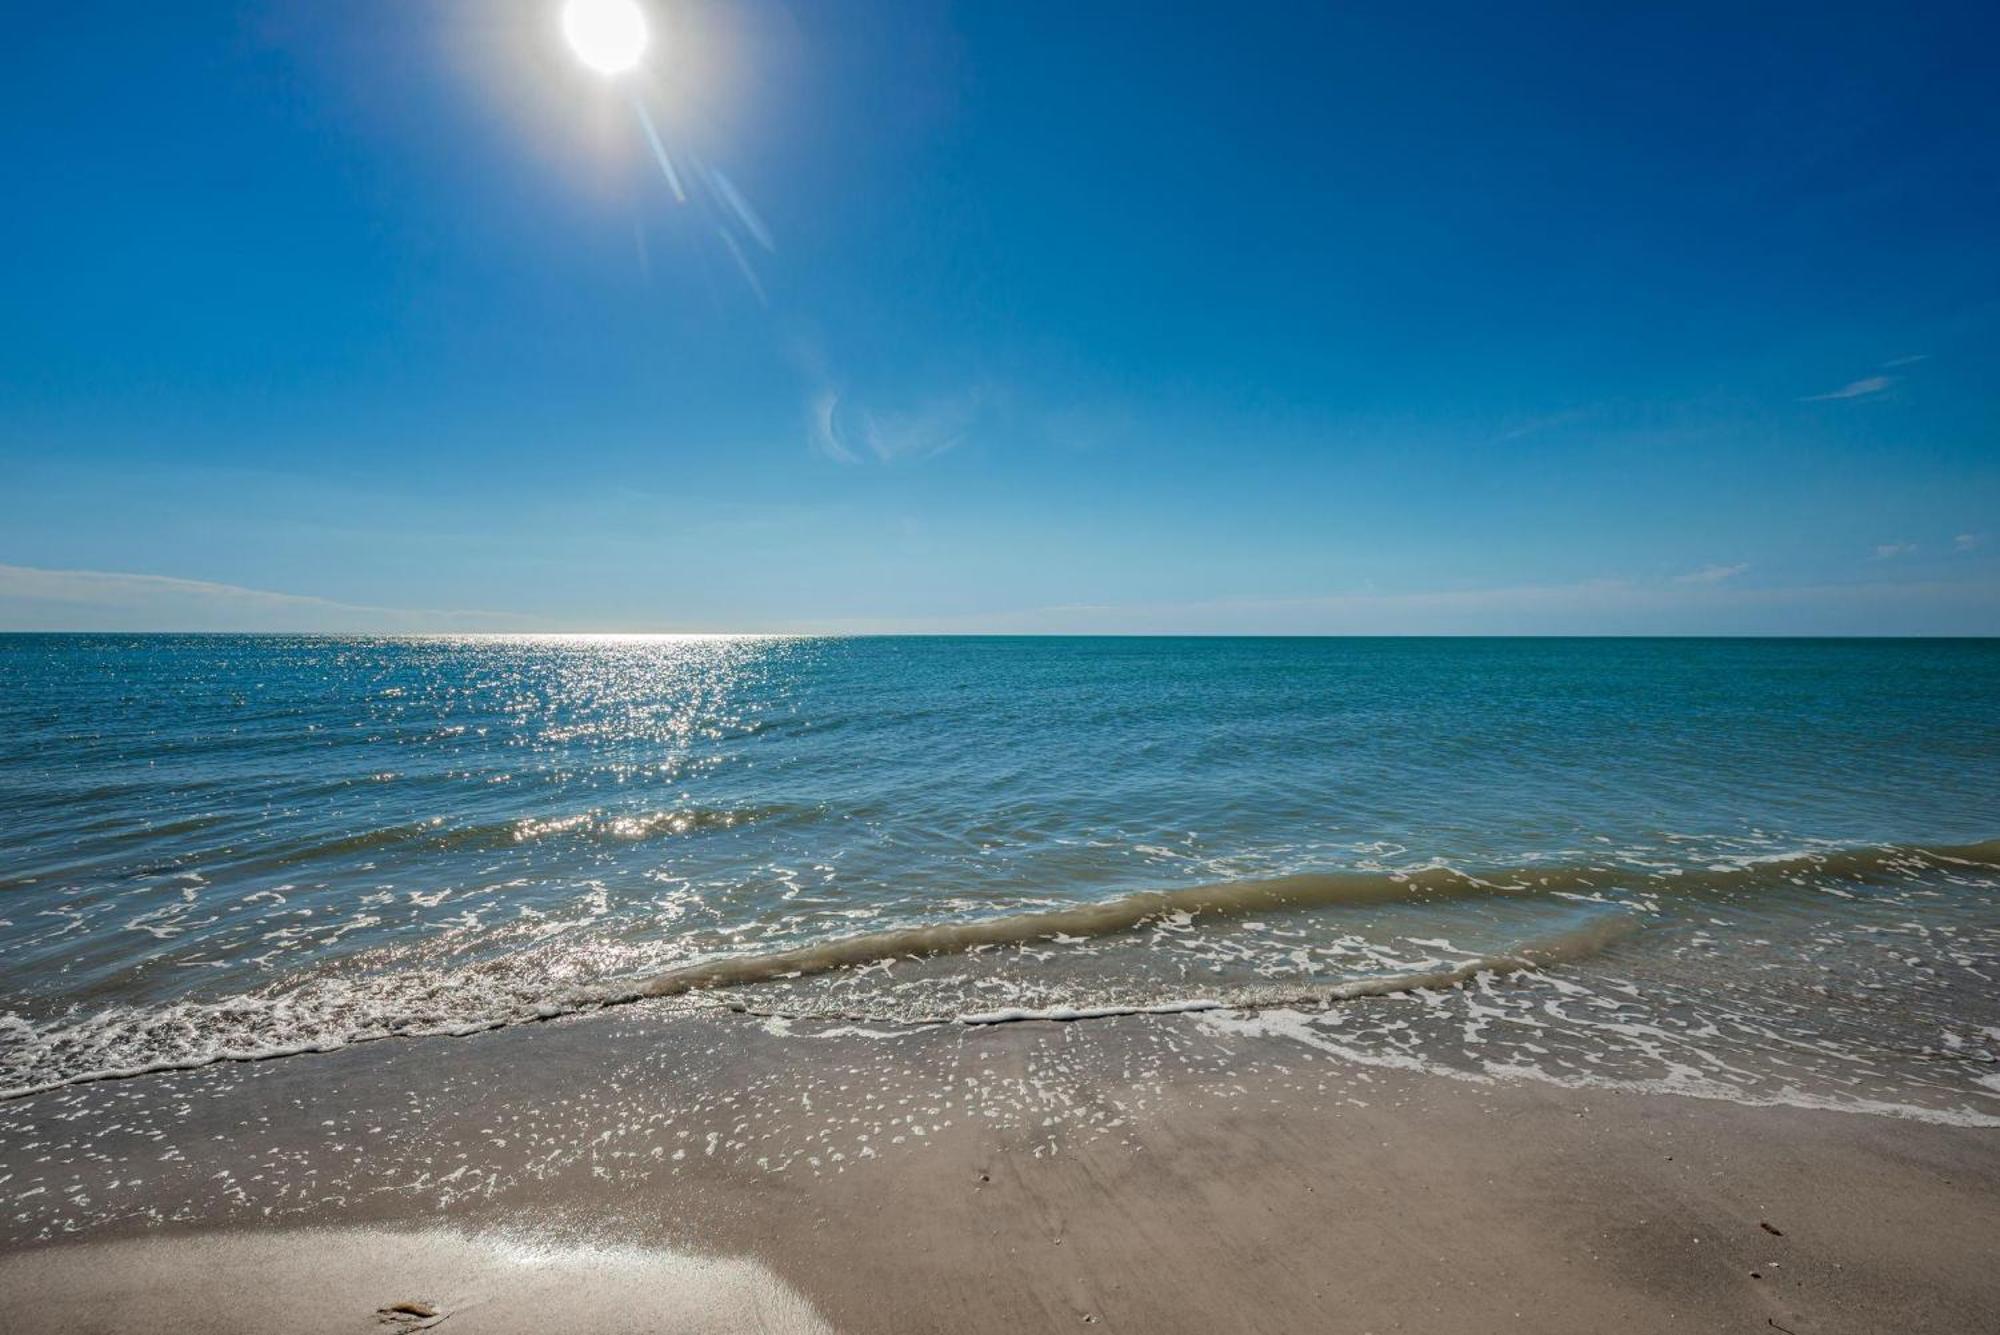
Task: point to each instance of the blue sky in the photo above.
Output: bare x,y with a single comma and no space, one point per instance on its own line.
1015,317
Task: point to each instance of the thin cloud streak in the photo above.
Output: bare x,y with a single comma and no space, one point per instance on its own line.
1712,574
1866,387
1552,422
33,597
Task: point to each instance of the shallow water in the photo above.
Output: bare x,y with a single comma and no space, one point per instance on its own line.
1758,868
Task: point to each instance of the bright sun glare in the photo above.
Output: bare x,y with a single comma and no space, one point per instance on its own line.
607,35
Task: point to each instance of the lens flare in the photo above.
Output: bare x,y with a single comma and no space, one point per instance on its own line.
607,35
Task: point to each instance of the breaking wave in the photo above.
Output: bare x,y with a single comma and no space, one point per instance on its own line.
326,1012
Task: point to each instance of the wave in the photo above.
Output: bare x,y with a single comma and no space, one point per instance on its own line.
1318,890
584,826
325,1013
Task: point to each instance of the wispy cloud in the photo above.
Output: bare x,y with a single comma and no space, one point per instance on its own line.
823,427
1866,387
1712,574
32,597
852,433
1966,542
927,430
851,425
1889,551
1534,426
1869,386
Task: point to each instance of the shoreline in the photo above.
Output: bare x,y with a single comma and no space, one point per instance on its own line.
1144,1173
1313,1018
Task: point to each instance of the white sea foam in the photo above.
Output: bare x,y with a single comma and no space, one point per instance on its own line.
1015,1014
1144,954
1309,1029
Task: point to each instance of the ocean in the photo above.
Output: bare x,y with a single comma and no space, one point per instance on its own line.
1762,870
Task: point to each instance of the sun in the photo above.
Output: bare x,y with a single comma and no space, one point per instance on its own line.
607,35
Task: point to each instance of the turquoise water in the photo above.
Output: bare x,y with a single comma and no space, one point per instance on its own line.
1756,864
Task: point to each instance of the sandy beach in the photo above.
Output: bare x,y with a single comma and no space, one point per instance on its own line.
1151,1173
708,667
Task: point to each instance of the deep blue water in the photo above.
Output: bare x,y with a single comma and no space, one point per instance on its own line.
222,844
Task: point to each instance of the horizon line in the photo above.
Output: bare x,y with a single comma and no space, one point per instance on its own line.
212,633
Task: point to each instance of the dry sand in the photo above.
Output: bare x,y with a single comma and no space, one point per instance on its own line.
1145,1174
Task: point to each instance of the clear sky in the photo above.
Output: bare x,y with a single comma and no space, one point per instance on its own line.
1029,316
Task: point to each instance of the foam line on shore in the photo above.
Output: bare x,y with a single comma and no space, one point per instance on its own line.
126,1042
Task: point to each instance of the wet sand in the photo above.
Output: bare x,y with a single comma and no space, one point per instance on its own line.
1145,1173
